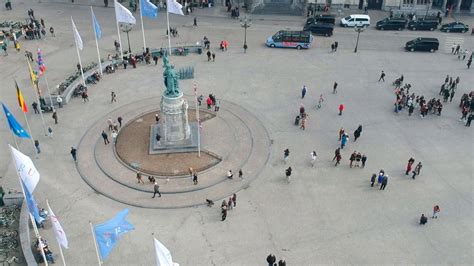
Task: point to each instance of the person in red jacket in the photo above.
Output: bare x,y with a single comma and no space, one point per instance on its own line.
341,108
209,102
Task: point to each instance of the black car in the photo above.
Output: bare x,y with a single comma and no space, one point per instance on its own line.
324,18
455,27
391,24
325,29
423,24
422,44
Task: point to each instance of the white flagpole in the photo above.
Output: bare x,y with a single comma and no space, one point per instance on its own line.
36,89
197,118
118,33
14,138
80,62
31,136
59,244
96,41
47,86
95,244
32,219
143,29
169,30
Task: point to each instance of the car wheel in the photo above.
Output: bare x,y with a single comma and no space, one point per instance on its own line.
399,29
327,35
381,28
464,31
272,45
447,30
412,49
298,47
432,50
413,28
431,29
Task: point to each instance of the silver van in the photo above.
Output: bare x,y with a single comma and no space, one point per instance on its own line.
356,21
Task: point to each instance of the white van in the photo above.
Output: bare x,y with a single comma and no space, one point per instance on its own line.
356,21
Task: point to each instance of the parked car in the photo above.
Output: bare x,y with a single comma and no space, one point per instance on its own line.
422,44
455,27
423,24
325,29
356,21
324,18
391,24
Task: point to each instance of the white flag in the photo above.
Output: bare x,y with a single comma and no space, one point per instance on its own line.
122,14
163,255
58,229
174,7
26,169
77,37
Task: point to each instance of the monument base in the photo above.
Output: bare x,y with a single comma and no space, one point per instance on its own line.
163,147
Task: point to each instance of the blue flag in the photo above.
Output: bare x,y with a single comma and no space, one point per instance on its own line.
98,31
108,233
14,125
148,9
31,203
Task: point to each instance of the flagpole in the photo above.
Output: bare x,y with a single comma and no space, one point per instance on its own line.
143,29
13,135
96,41
33,222
95,244
47,86
169,31
59,244
37,97
197,118
31,136
80,64
118,33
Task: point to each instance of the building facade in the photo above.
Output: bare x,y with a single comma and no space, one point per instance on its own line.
292,6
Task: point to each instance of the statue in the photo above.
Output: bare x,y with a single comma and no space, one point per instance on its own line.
170,80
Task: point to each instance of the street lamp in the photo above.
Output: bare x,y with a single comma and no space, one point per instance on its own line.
245,23
127,27
359,30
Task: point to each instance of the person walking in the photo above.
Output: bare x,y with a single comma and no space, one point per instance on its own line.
363,159
341,108
417,170
382,76
352,158
105,137
224,210
195,178
313,158
50,132
288,173
74,154
303,91
114,135
411,161
336,44
113,97
156,190
336,153
469,119
35,107
436,210
208,56
213,57
139,178
51,30
230,175
469,62
341,132
338,159
372,179
55,117
271,259
286,155
344,140
119,120
384,182
334,88
234,200
357,133
37,146
195,24
380,177
59,100
241,174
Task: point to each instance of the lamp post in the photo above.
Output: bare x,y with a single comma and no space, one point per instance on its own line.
359,30
127,27
245,23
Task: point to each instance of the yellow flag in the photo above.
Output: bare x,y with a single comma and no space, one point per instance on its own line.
33,76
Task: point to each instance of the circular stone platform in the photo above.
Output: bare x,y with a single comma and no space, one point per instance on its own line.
132,148
238,138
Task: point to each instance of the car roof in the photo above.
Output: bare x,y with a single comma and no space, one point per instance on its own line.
427,39
325,16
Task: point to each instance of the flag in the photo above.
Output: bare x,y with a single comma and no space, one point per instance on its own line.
32,206
14,125
77,37
108,233
26,169
58,229
41,66
33,76
21,100
97,30
148,9
163,255
174,7
124,15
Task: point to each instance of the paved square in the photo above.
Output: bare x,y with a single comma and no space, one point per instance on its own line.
326,214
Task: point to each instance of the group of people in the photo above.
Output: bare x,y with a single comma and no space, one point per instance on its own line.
467,108
456,49
228,205
382,179
272,261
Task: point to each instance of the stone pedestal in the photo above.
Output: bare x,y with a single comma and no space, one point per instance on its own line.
174,120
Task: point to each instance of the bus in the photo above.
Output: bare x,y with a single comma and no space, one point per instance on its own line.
293,39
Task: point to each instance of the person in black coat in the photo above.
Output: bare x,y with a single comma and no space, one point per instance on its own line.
357,132
271,259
